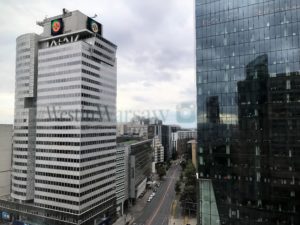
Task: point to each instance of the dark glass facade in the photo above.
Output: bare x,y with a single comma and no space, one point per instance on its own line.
248,102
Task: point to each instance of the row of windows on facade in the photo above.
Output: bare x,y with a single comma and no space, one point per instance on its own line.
21,71
101,55
70,185
233,9
68,143
241,24
79,119
60,57
280,181
75,194
76,186
103,47
21,44
86,117
73,71
97,111
22,57
245,28
69,103
55,51
234,45
77,203
71,152
71,160
69,71
69,79
227,77
70,168
74,55
75,177
82,127
72,63
212,70
67,135
85,95
75,211
254,166
23,50
69,88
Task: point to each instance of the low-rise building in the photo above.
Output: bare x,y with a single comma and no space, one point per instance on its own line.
134,160
140,158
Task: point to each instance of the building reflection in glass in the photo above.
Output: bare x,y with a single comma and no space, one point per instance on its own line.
248,101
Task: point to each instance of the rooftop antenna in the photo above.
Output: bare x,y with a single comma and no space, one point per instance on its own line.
94,16
65,11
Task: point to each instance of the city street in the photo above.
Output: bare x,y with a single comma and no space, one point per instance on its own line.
157,212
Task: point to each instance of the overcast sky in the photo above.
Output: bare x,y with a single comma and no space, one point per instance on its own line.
155,53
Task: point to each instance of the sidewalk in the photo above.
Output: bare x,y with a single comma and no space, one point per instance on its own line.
176,217
123,220
183,221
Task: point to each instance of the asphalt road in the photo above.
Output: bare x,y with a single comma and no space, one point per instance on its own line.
157,211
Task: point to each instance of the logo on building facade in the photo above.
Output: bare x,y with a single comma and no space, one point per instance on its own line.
94,26
63,40
57,26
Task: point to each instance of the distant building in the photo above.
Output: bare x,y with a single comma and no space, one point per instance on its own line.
148,129
6,135
134,129
180,140
158,149
192,151
164,133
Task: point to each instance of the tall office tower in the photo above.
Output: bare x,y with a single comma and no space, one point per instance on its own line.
248,76
65,120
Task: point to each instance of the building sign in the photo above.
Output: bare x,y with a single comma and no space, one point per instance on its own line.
94,26
57,27
63,40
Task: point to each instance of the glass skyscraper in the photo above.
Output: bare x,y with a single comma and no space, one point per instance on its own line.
248,102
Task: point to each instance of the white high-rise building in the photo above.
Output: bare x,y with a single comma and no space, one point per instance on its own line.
158,150
65,119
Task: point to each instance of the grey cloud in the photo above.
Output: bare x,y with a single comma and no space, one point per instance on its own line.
140,99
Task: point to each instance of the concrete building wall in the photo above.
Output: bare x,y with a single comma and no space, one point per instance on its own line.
6,133
121,177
